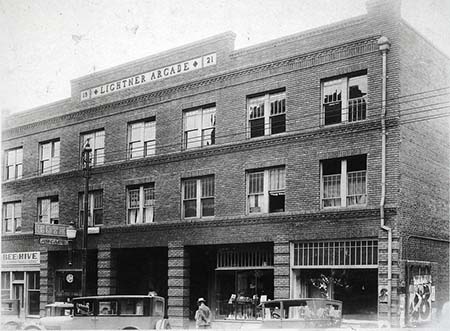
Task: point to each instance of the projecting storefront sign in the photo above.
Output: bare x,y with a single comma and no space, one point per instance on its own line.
21,258
53,241
54,230
151,76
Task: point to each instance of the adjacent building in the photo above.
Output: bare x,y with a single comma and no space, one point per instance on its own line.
314,165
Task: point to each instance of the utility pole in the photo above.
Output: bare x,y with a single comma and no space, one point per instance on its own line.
86,171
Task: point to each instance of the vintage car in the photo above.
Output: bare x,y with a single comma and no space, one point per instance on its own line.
56,314
301,313
118,312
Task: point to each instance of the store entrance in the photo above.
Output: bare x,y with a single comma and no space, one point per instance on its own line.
141,270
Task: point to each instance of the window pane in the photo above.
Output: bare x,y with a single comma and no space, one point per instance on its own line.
133,198
148,214
209,137
17,209
277,104
331,190
56,145
33,302
150,147
257,128
357,87
45,151
208,207
209,118
149,130
193,139
190,208
277,179
256,108
99,139
98,216
136,149
19,171
190,189
332,101
207,186
98,199
134,216
44,210
11,157
278,124
136,131
149,196
192,120
256,182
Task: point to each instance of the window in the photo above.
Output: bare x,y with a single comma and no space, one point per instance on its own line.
33,293
12,217
199,127
141,139
198,197
95,206
49,157
141,202
13,160
6,285
344,99
344,182
48,210
267,114
266,190
97,143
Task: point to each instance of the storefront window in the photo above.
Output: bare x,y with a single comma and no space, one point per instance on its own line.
6,286
244,278
33,293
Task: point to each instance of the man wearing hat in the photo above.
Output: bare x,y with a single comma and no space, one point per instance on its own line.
202,315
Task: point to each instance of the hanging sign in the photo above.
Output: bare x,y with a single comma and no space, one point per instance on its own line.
54,241
150,76
53,230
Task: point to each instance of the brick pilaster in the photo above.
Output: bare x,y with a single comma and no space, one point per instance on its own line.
281,268
46,291
178,283
106,272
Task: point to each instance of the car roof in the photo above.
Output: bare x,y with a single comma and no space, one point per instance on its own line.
103,297
60,304
298,301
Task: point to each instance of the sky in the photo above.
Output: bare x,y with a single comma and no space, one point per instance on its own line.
46,43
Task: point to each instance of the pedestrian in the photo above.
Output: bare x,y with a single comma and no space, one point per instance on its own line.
202,315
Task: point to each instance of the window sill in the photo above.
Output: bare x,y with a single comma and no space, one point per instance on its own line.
344,208
205,218
267,136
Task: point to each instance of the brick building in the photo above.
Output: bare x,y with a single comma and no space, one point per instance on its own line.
311,165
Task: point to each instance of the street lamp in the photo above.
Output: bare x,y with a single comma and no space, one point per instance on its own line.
86,159
71,233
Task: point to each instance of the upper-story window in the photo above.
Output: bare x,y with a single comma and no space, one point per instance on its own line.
48,210
12,217
95,208
198,197
344,99
199,127
49,157
267,114
142,139
266,190
97,143
344,182
13,163
141,203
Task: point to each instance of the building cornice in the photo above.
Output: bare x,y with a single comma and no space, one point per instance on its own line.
273,219
299,62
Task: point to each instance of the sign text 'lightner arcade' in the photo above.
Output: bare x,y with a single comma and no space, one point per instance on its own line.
151,76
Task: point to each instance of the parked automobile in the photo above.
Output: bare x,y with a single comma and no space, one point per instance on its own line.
301,313
11,319
118,312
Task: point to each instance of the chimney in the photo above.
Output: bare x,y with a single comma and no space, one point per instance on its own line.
391,8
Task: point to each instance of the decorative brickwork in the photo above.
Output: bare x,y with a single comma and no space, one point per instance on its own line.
179,281
106,271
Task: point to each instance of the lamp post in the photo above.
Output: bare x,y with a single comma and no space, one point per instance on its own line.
71,234
85,155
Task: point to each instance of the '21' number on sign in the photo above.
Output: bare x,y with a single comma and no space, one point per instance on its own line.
209,60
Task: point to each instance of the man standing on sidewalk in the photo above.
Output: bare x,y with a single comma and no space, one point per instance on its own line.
202,315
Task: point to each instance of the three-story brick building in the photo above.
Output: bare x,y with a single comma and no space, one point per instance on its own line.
311,165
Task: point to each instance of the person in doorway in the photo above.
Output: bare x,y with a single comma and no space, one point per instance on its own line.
202,315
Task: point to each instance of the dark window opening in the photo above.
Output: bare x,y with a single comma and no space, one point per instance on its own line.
357,163
333,113
276,202
278,124
331,167
257,127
